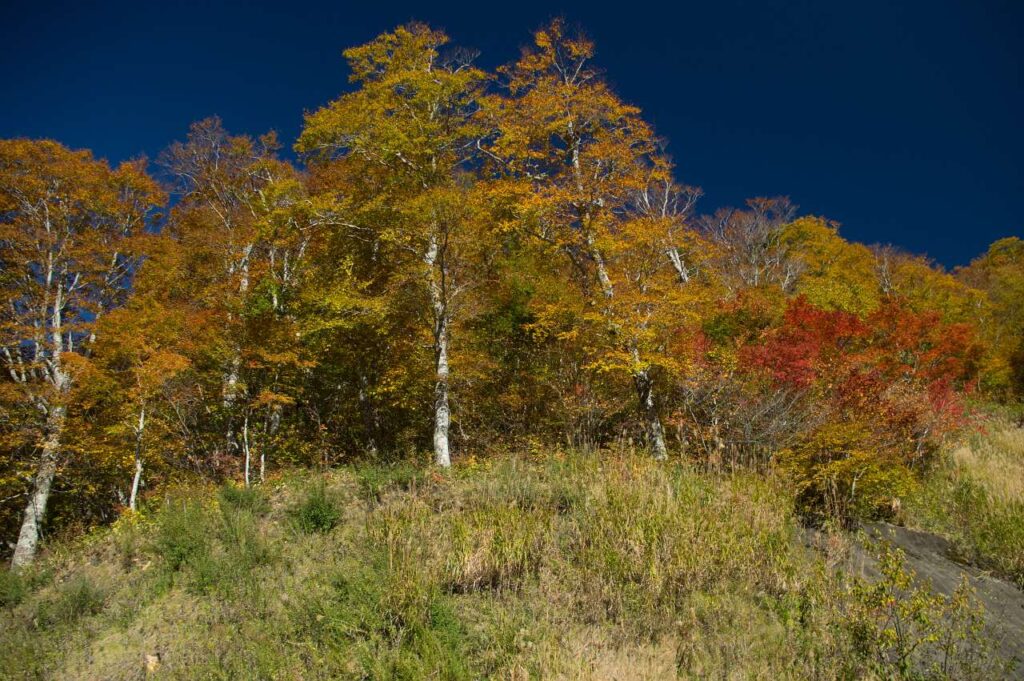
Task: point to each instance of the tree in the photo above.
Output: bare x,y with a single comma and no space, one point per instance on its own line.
68,228
751,249
143,346
834,273
999,274
591,163
243,225
411,125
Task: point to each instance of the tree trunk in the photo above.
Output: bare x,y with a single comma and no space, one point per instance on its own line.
649,414
641,377
682,271
369,415
233,374
35,510
273,423
139,430
245,447
230,390
442,413
439,307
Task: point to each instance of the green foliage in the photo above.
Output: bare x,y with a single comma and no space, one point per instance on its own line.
994,530
498,571
182,534
375,479
906,630
839,472
393,623
251,499
320,511
12,588
77,598
974,501
733,325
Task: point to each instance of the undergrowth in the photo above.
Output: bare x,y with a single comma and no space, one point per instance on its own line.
562,566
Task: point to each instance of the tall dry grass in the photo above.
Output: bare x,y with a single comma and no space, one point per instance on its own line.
975,498
559,566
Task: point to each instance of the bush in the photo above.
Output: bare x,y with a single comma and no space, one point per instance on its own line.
182,534
13,588
250,499
902,629
389,624
975,498
244,544
318,512
840,473
375,479
78,598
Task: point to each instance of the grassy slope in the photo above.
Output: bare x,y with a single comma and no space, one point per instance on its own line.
975,498
555,567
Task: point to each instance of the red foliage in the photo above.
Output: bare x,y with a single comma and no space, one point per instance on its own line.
920,347
810,344
901,373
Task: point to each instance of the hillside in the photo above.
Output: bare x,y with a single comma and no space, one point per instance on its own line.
550,565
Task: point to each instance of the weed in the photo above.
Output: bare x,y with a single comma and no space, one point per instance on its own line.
318,512
376,478
13,588
250,499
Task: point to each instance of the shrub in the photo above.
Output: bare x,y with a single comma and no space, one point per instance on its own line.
182,534
390,624
250,499
375,479
318,512
242,539
904,630
975,498
13,588
839,472
78,598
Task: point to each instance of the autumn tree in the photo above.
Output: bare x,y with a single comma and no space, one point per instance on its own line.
751,249
999,275
143,348
243,226
68,228
834,273
411,124
600,194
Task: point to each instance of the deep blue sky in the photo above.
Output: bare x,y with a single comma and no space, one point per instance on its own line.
902,120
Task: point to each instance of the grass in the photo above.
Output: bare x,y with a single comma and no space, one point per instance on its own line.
317,512
561,566
975,498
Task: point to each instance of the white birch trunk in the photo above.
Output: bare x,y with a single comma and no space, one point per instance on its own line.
649,411
442,411
641,377
35,510
232,375
682,272
245,447
137,479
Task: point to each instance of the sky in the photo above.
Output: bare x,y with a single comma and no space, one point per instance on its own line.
902,121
